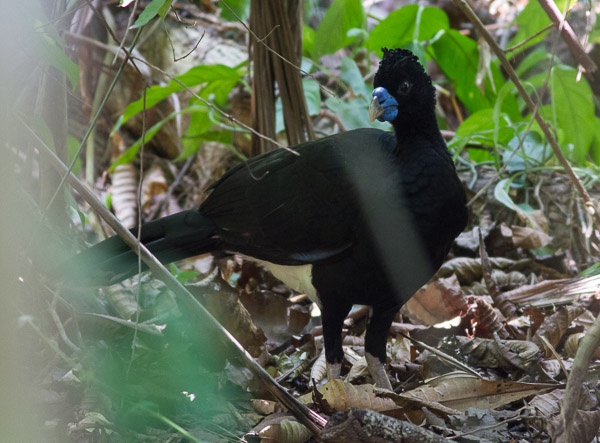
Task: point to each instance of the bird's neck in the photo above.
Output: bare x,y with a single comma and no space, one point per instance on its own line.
412,125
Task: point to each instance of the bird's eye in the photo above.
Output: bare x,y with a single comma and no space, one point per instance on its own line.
404,88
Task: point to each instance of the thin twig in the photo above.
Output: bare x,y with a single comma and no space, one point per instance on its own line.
129,23
172,186
468,11
528,39
60,327
567,34
447,358
175,58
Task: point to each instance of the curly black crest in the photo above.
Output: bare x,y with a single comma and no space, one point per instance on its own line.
402,65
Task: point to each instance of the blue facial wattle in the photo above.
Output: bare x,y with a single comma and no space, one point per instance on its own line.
388,103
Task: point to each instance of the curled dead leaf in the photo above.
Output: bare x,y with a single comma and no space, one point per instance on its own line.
460,391
505,354
555,326
439,301
529,238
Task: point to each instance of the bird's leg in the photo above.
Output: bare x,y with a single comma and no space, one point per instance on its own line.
378,326
333,321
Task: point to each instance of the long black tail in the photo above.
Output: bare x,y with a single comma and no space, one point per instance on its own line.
171,238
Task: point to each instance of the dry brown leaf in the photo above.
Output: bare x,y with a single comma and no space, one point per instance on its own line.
508,280
286,431
122,300
548,404
274,314
555,326
556,292
468,270
439,301
124,194
265,407
358,370
224,304
154,184
585,426
529,238
341,396
338,395
460,391
505,354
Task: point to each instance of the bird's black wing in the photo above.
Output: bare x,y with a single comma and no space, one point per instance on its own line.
294,209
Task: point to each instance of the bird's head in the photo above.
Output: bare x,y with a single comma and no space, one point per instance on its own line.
401,84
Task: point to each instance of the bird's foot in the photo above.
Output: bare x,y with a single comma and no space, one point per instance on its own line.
334,370
378,372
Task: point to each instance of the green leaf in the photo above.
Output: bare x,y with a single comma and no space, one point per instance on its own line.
332,33
54,55
533,152
481,125
162,12
240,7
535,61
354,113
595,149
352,76
407,24
481,128
574,110
154,8
199,125
131,152
73,147
308,40
458,57
501,195
194,77
531,20
312,92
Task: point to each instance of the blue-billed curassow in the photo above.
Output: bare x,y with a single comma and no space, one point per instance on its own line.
361,217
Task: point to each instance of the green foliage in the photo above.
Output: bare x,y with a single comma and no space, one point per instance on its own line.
412,23
498,127
52,52
531,21
240,7
332,33
220,80
574,111
154,8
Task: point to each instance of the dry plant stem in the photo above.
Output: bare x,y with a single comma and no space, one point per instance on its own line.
585,352
567,34
464,6
207,323
440,354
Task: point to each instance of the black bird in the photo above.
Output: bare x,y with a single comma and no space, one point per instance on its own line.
362,217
